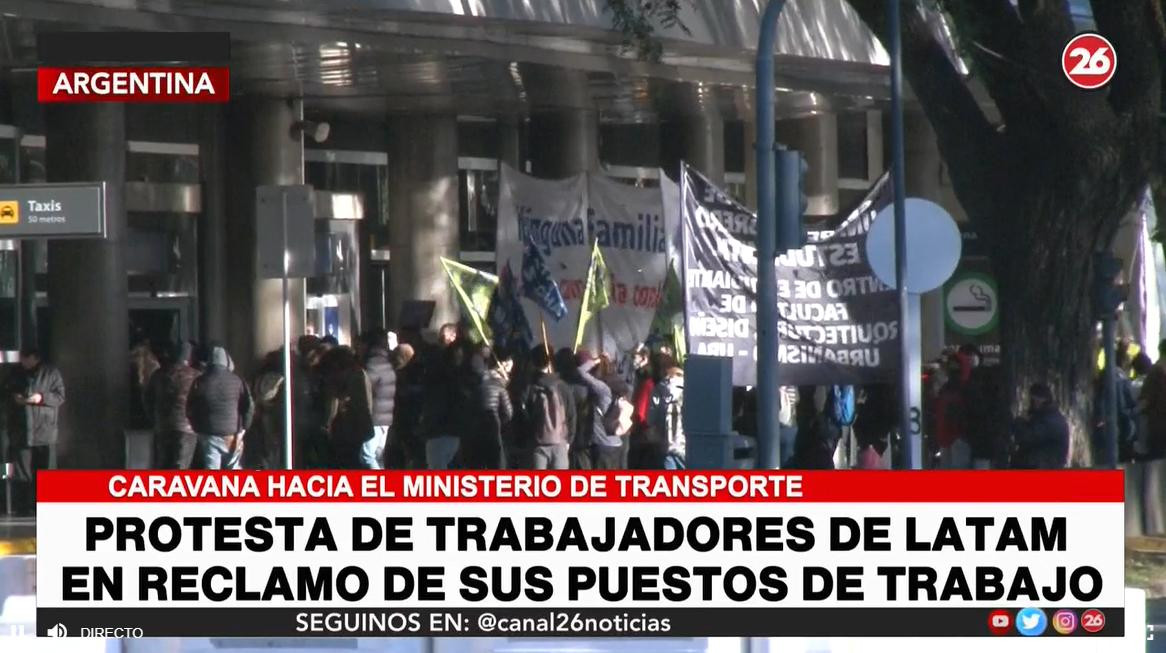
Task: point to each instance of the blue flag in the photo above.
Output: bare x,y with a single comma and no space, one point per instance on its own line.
506,318
537,283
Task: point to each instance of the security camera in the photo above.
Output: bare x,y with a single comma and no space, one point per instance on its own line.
317,131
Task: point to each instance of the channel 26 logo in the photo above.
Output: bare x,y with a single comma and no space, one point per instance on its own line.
58,630
1089,61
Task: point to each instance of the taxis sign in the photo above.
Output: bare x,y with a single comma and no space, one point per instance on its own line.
64,210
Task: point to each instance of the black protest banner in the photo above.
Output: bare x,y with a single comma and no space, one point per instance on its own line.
838,324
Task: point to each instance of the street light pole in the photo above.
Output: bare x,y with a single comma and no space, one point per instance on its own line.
910,432
769,453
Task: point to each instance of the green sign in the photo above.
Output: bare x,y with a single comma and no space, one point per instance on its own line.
971,303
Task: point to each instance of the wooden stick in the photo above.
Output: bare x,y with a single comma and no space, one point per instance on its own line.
546,341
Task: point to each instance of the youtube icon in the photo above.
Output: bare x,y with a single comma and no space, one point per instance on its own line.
1000,622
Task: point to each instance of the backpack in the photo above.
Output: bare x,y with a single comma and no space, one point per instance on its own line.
843,408
618,420
547,418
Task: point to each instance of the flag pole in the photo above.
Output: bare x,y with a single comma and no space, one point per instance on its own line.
546,341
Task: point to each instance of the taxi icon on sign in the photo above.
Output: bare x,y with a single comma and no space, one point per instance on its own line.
9,212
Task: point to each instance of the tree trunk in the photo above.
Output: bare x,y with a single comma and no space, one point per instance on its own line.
1046,319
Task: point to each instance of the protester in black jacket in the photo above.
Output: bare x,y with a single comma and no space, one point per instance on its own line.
406,448
442,412
483,446
220,410
383,381
36,391
166,396
1042,436
599,399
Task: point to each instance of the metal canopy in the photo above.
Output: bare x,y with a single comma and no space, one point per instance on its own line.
492,57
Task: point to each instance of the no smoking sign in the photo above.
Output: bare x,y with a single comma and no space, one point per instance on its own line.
1089,61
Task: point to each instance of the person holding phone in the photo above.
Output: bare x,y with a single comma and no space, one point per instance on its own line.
36,392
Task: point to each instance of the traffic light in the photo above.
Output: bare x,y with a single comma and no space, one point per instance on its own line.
1108,294
791,200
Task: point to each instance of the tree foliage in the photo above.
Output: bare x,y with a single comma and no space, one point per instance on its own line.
637,21
1046,171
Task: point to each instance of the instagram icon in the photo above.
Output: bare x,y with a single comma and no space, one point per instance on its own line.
1065,622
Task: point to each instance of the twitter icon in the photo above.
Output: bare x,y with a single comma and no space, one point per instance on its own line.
1031,622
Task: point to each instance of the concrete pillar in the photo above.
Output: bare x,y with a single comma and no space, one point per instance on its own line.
423,212
564,142
696,135
817,138
924,172
702,142
212,227
88,289
266,150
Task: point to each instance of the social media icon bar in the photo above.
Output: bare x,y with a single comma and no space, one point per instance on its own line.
1065,622
1093,621
1000,622
1031,622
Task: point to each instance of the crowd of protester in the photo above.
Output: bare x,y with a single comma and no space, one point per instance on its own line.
447,402
450,402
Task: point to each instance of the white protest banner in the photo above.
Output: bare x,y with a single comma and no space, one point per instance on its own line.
629,225
563,218
554,214
510,553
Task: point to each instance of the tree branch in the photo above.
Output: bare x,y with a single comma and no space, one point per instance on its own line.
997,48
965,136
1133,28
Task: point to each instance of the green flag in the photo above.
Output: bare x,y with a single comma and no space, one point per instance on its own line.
595,293
474,289
668,324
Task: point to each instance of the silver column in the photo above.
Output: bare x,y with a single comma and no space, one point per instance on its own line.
88,289
563,137
817,138
702,134
423,211
265,150
564,142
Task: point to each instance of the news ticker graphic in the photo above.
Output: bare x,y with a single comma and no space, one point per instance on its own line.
153,67
796,554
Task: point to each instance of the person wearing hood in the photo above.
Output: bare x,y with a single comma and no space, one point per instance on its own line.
665,417
484,446
166,396
1041,438
220,410
347,395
